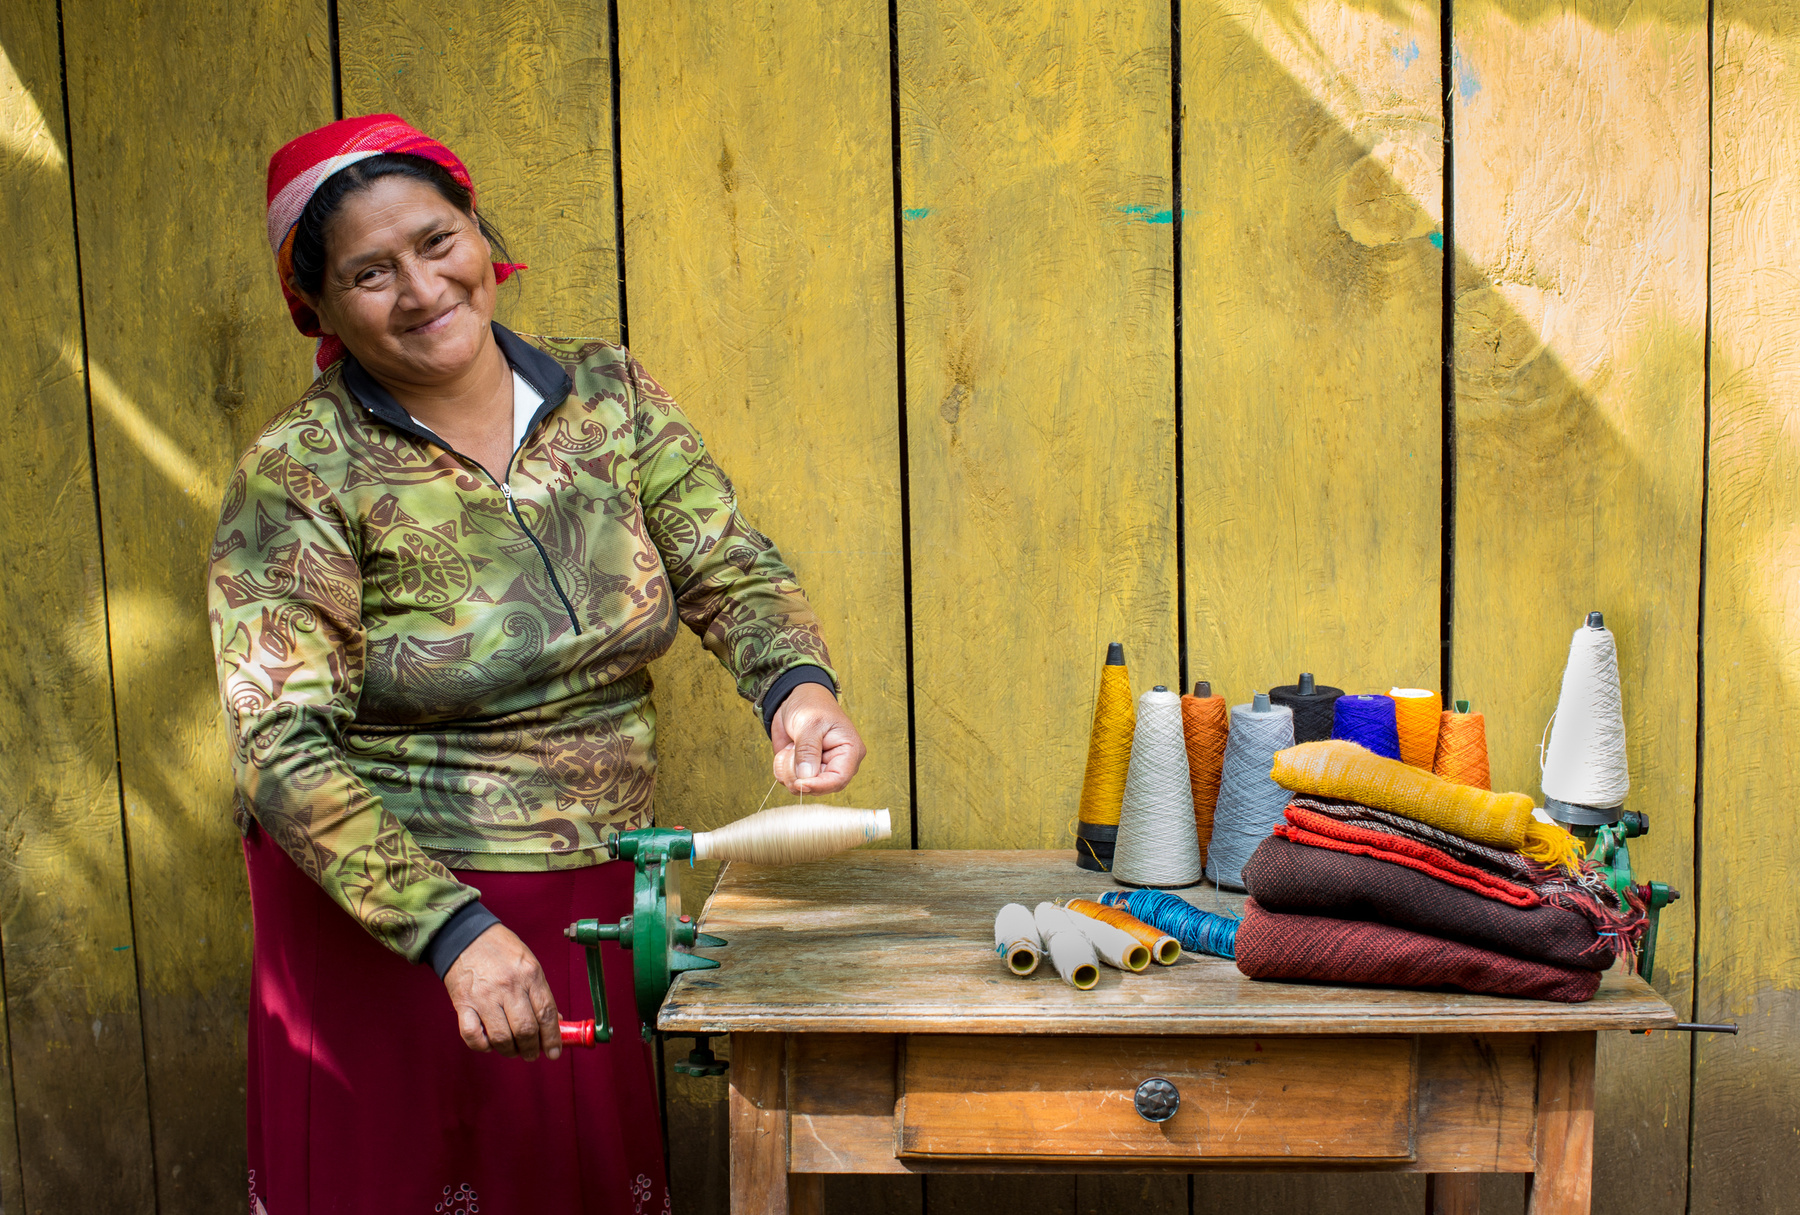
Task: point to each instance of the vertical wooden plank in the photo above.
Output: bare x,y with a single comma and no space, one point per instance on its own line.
759,263
1000,1194
1278,1193
75,1051
1035,158
1312,175
1580,232
174,112
1563,1182
1098,1194
1312,170
523,93
1747,1098
759,1125
1453,1194
699,1132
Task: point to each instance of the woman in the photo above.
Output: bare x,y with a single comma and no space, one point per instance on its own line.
438,581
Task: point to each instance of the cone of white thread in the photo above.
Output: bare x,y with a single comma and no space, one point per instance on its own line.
1117,948
1584,763
1157,843
1016,939
1250,804
784,835
1071,953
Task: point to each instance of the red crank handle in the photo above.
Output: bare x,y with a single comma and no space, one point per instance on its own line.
577,1033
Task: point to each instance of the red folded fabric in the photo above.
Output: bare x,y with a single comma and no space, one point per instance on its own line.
1318,949
1284,876
1305,827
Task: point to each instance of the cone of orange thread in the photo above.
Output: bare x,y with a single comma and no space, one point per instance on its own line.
1163,947
1205,725
1462,754
1416,713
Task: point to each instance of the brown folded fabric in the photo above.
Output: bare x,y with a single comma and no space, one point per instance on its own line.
1285,876
1319,949
1583,890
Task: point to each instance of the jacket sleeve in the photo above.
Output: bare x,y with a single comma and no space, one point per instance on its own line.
732,587
285,604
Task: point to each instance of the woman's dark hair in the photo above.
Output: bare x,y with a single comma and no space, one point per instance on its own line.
328,200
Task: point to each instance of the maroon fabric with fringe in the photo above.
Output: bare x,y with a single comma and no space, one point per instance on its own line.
1285,876
1319,949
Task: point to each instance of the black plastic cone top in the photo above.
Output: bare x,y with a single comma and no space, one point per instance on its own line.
1306,683
1203,689
1115,655
1596,620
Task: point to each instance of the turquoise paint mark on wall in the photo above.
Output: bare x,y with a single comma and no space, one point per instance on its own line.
1437,240
1406,56
1467,82
915,213
1144,214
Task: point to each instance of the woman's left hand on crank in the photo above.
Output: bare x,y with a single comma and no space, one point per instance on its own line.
817,748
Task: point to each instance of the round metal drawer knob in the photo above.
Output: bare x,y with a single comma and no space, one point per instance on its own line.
1157,1100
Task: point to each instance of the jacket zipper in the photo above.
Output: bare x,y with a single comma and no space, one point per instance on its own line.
549,570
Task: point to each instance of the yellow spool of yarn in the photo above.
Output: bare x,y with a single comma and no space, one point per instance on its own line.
1504,820
1417,712
1109,743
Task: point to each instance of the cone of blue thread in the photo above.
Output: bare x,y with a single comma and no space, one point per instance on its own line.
1368,721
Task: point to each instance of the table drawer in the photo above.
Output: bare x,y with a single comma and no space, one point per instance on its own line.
1073,1098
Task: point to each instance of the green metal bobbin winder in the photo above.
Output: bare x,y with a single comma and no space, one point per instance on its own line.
656,934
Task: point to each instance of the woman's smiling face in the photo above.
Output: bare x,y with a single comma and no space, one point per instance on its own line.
409,283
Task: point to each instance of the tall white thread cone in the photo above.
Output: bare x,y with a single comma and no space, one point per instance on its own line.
1157,844
1584,764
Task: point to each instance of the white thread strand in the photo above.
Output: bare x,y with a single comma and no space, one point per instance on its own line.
1250,804
1585,763
1157,843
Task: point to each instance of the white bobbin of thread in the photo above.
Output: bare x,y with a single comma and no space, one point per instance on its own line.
1158,844
1584,763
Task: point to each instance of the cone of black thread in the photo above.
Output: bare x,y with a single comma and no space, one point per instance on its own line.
1314,710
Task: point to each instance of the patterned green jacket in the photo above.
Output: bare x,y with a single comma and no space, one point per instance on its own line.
428,669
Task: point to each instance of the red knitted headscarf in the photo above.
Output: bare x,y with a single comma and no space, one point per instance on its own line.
301,167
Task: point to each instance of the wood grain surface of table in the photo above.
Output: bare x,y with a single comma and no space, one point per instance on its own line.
902,942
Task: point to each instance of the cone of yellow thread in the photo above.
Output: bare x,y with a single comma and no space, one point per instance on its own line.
1109,743
1462,754
1205,725
1416,713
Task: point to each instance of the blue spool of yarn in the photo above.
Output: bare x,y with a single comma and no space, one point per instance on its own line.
1368,721
1197,930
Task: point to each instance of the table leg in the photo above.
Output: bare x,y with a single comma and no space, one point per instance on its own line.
759,1128
1452,1194
1563,1183
806,1194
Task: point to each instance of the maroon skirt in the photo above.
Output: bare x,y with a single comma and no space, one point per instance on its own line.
363,1099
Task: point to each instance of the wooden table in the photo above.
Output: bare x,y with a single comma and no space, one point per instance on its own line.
874,1030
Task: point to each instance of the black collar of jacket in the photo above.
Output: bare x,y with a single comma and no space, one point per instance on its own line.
536,368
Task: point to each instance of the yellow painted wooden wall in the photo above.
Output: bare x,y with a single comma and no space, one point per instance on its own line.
1359,336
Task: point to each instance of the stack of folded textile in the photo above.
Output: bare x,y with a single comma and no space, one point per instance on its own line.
1385,874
